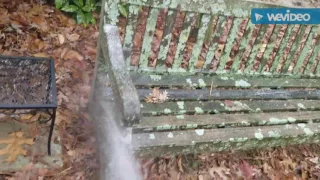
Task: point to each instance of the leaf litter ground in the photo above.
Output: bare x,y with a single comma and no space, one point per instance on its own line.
24,32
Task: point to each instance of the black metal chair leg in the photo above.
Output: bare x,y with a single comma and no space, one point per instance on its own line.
53,119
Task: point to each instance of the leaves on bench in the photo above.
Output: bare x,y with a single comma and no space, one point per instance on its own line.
157,97
14,147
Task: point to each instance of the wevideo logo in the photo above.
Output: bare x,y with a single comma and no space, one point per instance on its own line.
285,16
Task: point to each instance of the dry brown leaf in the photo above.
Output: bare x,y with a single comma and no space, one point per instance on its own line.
41,55
73,37
73,55
180,164
14,147
246,169
26,117
157,96
61,38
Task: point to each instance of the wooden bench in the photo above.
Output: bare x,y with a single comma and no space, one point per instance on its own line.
235,86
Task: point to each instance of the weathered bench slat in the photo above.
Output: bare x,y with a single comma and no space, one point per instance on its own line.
194,107
166,39
313,59
199,81
285,47
243,46
226,7
256,46
304,48
214,41
302,36
318,65
181,122
271,49
130,29
218,94
221,44
205,24
262,48
183,38
314,37
228,46
210,140
147,38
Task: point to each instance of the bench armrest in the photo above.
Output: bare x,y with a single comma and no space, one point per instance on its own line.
126,95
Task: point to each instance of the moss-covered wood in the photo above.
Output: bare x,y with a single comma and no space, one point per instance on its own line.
233,94
227,106
184,122
211,140
220,81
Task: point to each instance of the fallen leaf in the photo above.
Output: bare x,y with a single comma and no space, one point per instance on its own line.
14,147
61,38
44,55
26,117
180,164
246,169
73,37
72,55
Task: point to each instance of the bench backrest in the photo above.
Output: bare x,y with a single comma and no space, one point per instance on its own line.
215,36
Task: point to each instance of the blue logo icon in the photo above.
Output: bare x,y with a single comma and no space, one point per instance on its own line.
285,16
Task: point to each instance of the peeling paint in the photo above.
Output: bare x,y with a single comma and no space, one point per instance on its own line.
191,126
199,132
152,136
164,127
198,110
155,77
274,120
167,111
300,105
242,83
274,134
180,116
259,135
301,125
202,83
170,135
291,119
308,131
181,104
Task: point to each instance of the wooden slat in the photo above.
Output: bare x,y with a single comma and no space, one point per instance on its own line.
244,43
294,51
213,44
285,48
228,46
130,29
183,38
181,122
211,140
147,38
270,47
257,44
198,81
205,23
279,45
307,60
313,58
166,39
204,107
218,94
306,50
239,8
